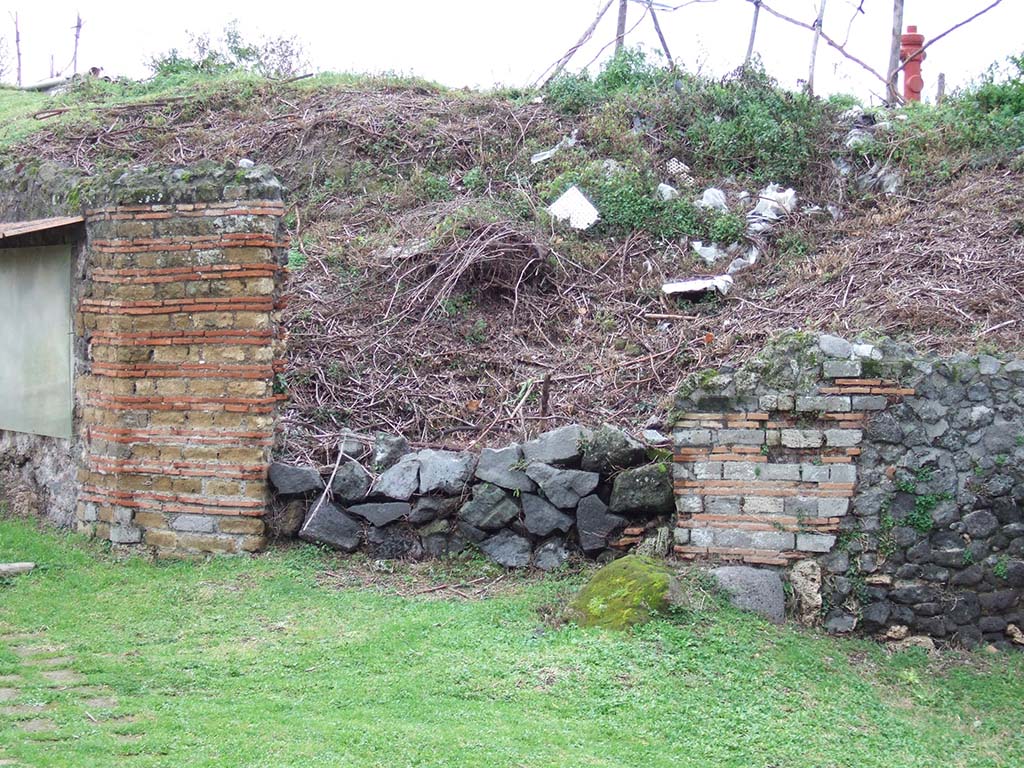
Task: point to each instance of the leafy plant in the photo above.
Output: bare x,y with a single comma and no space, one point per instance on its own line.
1001,569
727,228
279,57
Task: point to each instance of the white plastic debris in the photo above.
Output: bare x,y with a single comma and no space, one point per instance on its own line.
667,192
714,199
773,204
245,162
679,171
742,262
710,252
547,154
698,285
574,207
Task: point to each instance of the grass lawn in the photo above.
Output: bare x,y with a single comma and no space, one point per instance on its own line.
265,662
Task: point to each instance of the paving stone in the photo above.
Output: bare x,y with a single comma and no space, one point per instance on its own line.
22,710
51,661
7,694
36,725
100,702
24,651
62,676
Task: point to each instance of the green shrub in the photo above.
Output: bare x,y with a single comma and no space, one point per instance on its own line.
727,228
627,202
270,57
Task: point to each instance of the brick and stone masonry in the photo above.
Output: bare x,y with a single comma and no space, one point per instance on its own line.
770,487
175,400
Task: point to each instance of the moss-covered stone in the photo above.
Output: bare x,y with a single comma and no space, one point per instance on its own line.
629,591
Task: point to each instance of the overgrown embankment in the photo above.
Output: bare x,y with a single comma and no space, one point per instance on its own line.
434,296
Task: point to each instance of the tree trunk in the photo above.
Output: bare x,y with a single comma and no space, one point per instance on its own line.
892,74
17,46
661,37
814,46
620,31
753,32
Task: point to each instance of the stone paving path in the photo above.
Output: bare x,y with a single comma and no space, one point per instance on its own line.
44,663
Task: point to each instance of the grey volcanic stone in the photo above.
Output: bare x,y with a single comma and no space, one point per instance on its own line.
382,514
550,555
609,449
833,346
561,447
331,526
445,471
753,589
351,483
289,479
400,481
284,522
643,491
875,615
503,467
840,623
980,524
507,549
387,450
394,541
594,524
541,518
429,508
563,487
490,508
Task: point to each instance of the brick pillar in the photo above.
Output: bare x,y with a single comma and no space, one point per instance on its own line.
176,403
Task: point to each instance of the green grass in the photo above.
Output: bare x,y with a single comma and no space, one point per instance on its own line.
241,662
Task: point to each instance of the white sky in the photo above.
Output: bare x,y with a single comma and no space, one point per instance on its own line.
483,42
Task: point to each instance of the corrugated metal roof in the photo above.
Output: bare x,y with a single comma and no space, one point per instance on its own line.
15,228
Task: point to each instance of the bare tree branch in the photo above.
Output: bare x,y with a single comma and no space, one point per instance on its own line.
562,62
826,38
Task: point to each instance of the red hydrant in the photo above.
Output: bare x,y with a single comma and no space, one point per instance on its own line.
911,55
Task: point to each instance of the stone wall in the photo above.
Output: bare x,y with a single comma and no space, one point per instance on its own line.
598,492
900,477
177,316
